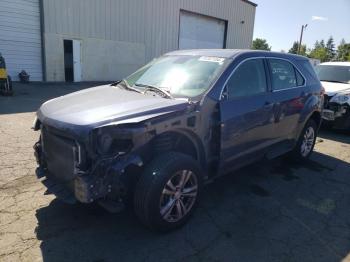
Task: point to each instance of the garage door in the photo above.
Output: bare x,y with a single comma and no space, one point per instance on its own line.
20,38
199,31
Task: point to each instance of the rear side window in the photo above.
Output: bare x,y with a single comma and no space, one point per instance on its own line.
300,78
283,74
248,79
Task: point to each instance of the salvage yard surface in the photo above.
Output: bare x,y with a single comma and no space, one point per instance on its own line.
270,211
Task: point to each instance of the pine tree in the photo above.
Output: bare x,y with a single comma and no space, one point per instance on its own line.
319,51
330,48
260,44
294,49
343,51
322,44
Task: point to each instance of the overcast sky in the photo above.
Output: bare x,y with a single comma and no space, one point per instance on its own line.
279,21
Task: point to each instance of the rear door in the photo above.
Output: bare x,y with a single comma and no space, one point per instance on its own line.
289,96
246,112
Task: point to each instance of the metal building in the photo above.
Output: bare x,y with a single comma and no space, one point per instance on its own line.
94,40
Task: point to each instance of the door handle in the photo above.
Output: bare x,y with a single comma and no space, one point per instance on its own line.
268,104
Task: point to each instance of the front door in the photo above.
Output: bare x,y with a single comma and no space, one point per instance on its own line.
77,60
246,111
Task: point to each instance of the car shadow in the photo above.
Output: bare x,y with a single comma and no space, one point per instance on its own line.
275,210
29,97
342,136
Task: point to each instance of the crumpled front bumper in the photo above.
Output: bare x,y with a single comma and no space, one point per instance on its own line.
336,115
104,177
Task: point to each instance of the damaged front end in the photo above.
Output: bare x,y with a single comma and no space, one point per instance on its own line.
86,170
336,112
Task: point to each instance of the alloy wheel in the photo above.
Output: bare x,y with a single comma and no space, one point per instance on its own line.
178,196
308,141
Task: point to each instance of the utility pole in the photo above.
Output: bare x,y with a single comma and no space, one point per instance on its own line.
303,27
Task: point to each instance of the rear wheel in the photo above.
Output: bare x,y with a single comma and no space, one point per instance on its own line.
168,191
306,141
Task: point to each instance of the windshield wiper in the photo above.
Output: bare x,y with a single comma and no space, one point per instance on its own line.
126,86
335,81
155,89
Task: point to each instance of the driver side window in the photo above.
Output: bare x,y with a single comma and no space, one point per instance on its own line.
248,79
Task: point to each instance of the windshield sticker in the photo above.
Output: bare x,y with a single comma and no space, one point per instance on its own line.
213,59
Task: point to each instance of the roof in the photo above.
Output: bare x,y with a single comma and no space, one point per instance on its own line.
250,2
337,63
231,53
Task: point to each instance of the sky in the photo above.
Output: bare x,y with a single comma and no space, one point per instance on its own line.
280,21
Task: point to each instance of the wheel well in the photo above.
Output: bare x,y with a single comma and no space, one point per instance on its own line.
316,116
174,141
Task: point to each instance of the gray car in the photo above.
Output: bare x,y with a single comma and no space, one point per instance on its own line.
153,139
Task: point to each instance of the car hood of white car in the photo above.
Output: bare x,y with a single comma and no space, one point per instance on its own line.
332,88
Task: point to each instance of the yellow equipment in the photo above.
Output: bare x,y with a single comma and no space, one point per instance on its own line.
5,79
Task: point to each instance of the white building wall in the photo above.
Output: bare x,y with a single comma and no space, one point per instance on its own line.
20,37
119,36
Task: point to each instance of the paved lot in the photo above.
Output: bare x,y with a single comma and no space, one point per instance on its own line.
271,211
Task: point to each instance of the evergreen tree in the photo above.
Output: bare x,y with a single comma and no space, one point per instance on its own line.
294,49
319,51
322,44
343,52
331,53
260,44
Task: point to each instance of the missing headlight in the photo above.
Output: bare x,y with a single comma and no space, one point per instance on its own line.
110,141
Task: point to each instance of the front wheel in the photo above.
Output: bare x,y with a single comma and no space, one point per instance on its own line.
306,141
168,191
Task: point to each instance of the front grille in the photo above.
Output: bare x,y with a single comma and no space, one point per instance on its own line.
59,154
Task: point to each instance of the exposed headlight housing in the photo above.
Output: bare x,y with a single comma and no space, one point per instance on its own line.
340,98
112,141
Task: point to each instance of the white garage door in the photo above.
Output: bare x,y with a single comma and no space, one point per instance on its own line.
20,38
198,31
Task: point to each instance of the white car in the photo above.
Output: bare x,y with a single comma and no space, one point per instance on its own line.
335,78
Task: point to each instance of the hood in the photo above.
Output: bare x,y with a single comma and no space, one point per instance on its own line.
334,88
105,104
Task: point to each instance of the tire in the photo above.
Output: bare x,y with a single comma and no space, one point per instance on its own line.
155,192
306,143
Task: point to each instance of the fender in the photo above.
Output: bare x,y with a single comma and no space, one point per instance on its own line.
312,104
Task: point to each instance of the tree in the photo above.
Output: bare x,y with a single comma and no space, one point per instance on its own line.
322,44
319,52
343,51
330,48
295,47
260,44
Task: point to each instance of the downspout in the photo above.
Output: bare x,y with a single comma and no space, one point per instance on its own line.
42,32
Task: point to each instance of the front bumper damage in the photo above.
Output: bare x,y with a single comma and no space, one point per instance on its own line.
106,177
336,115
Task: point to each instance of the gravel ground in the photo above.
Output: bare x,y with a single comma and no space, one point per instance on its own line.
270,211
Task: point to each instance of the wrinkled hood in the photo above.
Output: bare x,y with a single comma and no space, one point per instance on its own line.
334,88
105,104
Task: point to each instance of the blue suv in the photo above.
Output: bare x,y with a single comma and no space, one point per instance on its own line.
152,139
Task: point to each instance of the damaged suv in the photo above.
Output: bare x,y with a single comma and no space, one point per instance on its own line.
335,78
153,139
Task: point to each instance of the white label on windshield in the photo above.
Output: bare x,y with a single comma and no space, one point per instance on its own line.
213,59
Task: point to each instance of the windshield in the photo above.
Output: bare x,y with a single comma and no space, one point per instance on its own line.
181,76
334,73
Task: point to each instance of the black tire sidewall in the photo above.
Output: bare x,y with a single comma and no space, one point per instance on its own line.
297,151
161,175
